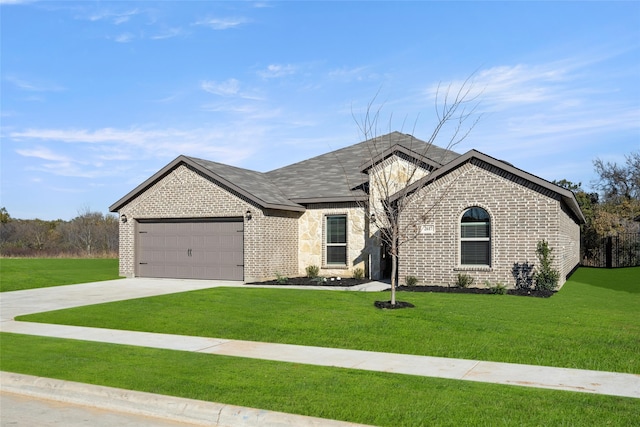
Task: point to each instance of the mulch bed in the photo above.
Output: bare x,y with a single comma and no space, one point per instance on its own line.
386,305
457,290
306,281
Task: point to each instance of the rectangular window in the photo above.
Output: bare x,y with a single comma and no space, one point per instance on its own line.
475,252
336,239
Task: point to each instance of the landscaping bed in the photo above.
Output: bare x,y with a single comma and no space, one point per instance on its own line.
307,281
459,290
348,282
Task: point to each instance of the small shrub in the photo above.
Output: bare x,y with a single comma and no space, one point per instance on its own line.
312,271
464,280
358,273
281,279
497,288
523,273
411,280
319,280
546,277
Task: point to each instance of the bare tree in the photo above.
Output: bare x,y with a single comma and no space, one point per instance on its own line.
619,182
393,180
93,233
90,234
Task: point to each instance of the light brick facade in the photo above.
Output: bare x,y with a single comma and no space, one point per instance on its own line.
270,237
521,215
284,234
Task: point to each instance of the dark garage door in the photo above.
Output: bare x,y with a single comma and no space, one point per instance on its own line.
195,249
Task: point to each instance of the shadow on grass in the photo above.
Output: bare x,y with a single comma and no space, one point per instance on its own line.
625,279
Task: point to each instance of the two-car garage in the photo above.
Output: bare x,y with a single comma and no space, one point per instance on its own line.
191,248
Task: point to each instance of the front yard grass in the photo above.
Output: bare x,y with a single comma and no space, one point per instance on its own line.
591,323
27,273
374,398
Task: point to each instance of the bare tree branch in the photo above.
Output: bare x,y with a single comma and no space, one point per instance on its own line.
393,171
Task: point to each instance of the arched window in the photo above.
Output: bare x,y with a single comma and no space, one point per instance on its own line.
475,237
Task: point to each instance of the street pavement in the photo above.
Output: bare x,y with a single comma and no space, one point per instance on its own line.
19,410
17,303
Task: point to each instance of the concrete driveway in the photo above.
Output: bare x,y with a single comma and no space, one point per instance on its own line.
31,301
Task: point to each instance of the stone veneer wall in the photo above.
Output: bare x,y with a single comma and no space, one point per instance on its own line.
270,240
520,217
311,238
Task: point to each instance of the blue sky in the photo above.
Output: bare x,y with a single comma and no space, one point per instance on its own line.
98,96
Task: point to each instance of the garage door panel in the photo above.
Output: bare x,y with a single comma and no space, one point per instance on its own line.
199,250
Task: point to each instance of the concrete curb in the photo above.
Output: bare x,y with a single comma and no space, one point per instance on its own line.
178,409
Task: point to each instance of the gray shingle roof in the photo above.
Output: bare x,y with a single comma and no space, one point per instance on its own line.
331,177
255,185
339,175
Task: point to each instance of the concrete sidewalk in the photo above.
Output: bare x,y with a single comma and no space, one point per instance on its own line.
580,380
37,300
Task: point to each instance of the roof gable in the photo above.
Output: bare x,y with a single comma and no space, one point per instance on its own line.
566,195
244,182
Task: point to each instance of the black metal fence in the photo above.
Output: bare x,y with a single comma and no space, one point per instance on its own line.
622,250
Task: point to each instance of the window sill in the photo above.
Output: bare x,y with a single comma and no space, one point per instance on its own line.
335,267
473,268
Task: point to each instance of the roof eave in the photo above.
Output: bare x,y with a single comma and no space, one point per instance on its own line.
339,199
147,183
188,161
393,150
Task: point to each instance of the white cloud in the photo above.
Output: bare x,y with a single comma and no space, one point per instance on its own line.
229,87
32,86
167,34
349,74
124,38
43,153
116,17
277,70
222,23
549,107
96,148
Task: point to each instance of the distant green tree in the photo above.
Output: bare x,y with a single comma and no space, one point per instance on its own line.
588,202
4,216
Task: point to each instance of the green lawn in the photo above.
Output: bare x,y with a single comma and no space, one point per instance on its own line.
592,323
374,398
28,273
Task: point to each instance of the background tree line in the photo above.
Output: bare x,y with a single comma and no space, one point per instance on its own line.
614,209
90,234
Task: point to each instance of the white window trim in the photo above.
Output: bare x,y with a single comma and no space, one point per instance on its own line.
325,245
461,239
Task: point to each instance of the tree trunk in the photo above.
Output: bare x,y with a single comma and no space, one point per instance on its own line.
394,267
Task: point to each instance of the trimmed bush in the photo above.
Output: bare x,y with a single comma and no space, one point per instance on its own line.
411,280
497,288
358,273
546,277
312,271
464,280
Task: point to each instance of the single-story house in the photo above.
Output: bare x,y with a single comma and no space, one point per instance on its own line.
471,214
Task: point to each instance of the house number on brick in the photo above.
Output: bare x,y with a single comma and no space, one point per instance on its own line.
428,229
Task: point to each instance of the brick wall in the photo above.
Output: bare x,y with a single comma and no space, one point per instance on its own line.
521,215
270,239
